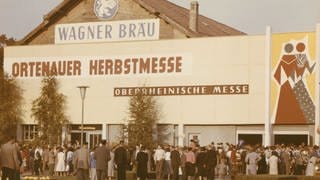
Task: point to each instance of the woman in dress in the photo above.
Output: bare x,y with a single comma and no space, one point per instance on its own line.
111,165
60,166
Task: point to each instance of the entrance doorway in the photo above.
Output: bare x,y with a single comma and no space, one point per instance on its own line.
287,139
250,139
76,137
94,139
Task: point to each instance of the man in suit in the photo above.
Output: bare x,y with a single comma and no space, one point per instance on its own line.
120,159
102,156
9,159
175,162
211,161
81,162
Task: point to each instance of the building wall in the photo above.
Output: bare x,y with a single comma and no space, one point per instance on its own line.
212,64
128,10
208,134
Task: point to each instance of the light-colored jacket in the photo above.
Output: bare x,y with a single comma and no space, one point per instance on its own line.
81,158
9,156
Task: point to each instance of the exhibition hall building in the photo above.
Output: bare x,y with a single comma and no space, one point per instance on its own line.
213,83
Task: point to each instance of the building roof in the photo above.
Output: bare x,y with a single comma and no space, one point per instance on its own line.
179,17
173,14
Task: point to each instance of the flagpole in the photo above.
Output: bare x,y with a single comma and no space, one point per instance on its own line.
267,122
317,109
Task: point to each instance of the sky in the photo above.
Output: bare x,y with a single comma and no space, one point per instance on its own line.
19,17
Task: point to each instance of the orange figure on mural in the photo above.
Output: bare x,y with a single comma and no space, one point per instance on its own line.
295,105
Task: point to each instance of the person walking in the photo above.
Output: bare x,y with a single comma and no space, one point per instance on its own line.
60,166
273,163
81,162
310,170
69,166
45,159
212,161
9,159
252,159
93,162
120,159
167,163
102,156
175,163
190,163
142,164
51,161
159,156
201,163
111,165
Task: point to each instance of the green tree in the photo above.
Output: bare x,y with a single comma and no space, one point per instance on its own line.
141,125
4,41
10,106
10,97
48,111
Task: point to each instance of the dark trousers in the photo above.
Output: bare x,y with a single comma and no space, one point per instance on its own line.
159,169
101,174
7,173
121,171
299,169
82,174
175,172
16,175
211,172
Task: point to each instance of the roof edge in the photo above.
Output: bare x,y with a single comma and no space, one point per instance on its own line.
49,19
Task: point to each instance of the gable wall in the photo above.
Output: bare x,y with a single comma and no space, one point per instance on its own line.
128,10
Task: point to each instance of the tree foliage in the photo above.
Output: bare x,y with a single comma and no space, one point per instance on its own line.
10,98
141,126
10,106
4,41
48,111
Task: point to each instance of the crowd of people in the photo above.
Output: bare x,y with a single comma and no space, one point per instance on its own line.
214,161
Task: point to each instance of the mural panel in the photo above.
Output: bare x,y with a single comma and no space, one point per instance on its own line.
293,78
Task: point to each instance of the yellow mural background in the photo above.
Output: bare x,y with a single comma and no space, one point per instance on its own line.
277,41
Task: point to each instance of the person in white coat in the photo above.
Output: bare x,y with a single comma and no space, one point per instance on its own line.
60,165
273,163
310,170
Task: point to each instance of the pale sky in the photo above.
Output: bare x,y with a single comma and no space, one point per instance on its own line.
19,17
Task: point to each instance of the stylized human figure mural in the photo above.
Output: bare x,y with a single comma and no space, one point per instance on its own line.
300,90
294,105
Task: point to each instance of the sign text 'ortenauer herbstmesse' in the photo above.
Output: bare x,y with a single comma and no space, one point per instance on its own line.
100,66
107,31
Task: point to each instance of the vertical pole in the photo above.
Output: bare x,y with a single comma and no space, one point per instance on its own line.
180,135
267,123
82,121
104,132
317,100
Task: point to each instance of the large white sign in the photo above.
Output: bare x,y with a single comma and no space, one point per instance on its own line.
110,31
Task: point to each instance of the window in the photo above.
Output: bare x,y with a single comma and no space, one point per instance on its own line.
30,132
